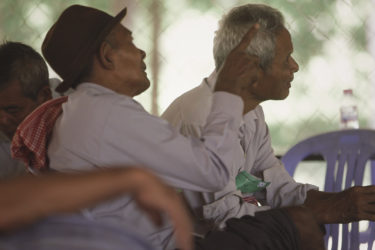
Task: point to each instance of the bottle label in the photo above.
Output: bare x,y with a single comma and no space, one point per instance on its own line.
349,117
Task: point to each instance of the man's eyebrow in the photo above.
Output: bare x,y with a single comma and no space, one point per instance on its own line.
130,34
10,107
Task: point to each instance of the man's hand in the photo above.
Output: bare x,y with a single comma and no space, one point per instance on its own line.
353,204
156,198
240,70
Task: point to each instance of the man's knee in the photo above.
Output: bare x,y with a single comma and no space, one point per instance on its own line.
273,229
310,232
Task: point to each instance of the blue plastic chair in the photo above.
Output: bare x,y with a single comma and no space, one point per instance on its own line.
342,150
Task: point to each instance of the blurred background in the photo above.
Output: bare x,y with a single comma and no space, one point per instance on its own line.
334,44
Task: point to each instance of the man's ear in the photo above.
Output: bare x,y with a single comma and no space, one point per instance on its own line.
44,94
106,56
258,79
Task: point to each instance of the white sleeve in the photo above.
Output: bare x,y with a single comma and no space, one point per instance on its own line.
199,164
283,190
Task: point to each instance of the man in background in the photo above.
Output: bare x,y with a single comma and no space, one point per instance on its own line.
24,85
256,175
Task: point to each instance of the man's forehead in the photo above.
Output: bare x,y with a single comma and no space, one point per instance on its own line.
284,42
12,93
123,29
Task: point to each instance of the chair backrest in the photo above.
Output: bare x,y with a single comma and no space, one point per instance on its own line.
346,153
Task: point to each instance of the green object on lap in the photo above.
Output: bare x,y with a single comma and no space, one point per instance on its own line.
248,183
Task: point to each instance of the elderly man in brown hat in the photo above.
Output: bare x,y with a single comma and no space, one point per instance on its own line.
100,124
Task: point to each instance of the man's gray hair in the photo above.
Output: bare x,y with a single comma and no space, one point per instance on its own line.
20,62
234,25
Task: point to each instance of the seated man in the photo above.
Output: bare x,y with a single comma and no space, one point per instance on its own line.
100,124
24,85
269,183
28,199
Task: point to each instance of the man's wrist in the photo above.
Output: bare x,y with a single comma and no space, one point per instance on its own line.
134,179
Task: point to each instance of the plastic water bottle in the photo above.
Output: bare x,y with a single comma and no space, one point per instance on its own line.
348,111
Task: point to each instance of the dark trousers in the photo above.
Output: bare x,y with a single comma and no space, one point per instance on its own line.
271,229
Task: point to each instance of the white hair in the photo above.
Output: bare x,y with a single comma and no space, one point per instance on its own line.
234,25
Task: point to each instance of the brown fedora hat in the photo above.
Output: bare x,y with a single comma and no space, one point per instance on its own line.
74,38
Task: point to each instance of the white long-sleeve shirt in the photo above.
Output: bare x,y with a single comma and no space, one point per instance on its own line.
99,127
254,154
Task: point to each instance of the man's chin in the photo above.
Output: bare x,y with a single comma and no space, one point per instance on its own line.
143,87
284,95
281,97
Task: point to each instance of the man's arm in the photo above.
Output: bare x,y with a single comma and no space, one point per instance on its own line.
353,204
187,163
27,199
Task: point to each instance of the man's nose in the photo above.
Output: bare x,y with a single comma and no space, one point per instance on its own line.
143,54
295,66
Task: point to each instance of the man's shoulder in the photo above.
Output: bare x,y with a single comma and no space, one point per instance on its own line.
9,167
92,108
255,114
191,107
4,148
101,97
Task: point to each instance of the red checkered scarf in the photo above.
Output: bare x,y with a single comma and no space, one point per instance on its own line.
30,141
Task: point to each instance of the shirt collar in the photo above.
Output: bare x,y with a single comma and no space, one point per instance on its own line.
251,115
210,81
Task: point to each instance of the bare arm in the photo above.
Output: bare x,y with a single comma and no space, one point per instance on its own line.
29,198
353,204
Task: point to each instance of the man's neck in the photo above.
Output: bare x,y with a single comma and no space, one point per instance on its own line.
4,138
250,105
112,85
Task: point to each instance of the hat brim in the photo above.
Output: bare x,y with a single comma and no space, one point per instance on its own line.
85,55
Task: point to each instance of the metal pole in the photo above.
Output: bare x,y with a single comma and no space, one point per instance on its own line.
155,63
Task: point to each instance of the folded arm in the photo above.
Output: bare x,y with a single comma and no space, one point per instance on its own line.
29,198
